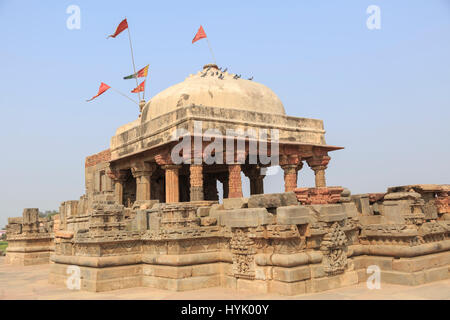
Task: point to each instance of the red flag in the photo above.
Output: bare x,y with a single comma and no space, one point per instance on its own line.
139,88
122,26
102,89
200,34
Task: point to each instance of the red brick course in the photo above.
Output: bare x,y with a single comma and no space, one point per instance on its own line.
104,156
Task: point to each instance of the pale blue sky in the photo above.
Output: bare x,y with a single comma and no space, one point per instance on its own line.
383,94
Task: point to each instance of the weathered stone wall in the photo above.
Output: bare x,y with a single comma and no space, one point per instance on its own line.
30,239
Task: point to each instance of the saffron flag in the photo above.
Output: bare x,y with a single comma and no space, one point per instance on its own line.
102,89
139,88
122,26
140,74
200,35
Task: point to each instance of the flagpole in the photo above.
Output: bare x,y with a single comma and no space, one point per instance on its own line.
210,49
145,88
123,94
132,59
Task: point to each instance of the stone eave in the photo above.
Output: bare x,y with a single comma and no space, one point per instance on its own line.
292,129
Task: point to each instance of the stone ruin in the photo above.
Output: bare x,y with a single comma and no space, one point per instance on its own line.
146,221
30,239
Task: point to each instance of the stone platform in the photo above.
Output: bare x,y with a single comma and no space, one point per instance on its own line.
31,283
270,244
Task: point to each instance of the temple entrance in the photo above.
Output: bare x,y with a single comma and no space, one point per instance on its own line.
210,187
184,184
158,186
129,191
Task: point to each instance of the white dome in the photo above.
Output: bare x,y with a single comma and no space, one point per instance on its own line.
213,88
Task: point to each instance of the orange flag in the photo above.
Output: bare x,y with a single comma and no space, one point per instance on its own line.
102,89
139,88
122,26
200,35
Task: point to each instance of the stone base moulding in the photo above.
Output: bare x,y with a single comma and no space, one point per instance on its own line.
412,271
267,243
29,251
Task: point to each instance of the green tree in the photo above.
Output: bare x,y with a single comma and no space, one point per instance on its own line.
47,213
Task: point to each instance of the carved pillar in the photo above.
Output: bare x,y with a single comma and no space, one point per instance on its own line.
119,177
234,181
257,184
290,165
196,179
256,179
172,184
319,162
142,172
290,177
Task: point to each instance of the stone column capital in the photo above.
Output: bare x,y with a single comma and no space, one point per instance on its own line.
318,162
163,158
117,175
292,159
253,172
195,157
142,169
171,167
289,168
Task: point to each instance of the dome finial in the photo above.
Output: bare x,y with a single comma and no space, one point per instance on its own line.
141,105
210,65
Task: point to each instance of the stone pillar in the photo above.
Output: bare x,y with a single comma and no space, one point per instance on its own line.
196,180
290,177
119,177
257,185
319,164
256,180
320,177
143,173
118,190
172,184
30,220
290,163
234,181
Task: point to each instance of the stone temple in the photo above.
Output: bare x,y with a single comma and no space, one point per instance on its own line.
150,220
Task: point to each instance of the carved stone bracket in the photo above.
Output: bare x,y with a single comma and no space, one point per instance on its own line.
163,158
140,169
325,195
334,248
117,175
243,254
